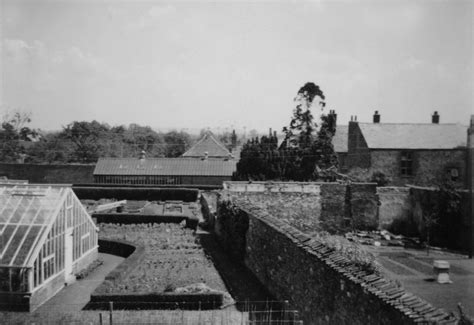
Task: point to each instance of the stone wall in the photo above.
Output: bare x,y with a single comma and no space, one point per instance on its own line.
358,154
363,205
333,207
49,174
429,166
287,187
452,228
394,209
324,286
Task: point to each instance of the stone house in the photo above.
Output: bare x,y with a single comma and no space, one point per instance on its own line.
408,153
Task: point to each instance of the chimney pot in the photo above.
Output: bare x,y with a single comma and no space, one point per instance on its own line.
376,117
435,118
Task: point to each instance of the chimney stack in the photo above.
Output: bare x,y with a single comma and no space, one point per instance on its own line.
435,118
376,117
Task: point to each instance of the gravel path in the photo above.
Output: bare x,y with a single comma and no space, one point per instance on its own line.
75,296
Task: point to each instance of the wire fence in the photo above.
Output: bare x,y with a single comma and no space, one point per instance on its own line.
182,313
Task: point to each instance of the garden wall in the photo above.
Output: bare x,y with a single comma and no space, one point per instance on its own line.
452,226
49,174
335,207
319,282
394,209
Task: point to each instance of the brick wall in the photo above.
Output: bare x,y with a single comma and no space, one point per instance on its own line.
318,282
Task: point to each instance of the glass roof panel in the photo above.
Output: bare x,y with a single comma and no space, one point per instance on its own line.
14,244
5,237
25,213
24,203
27,246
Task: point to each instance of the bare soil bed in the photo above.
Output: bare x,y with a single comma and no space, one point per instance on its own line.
174,259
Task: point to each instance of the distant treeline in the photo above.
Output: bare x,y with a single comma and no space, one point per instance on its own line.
85,142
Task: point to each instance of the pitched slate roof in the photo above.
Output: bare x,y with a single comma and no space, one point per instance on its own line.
165,166
339,141
413,136
208,143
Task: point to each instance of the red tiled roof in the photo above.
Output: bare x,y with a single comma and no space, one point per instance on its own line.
208,144
165,166
414,136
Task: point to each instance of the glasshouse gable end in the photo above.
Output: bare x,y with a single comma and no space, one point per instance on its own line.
46,237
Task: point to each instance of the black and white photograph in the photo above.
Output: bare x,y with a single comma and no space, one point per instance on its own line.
236,162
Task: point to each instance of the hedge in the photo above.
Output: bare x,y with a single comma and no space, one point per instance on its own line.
133,193
131,218
169,300
172,186
134,255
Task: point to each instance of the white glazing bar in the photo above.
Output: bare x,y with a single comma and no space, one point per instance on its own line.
14,233
24,238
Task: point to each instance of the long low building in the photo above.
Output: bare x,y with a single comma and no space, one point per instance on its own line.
164,171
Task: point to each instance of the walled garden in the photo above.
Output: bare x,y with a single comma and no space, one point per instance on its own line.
173,259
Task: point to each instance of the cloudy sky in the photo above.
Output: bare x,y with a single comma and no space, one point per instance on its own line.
196,64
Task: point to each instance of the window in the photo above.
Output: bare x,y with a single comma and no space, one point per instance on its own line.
48,266
406,163
453,174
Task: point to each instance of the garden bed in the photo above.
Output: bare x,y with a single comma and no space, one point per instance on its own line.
173,258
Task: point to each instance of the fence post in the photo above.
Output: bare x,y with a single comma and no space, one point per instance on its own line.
286,305
296,317
100,318
111,310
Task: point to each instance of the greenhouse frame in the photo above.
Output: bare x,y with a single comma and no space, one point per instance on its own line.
46,237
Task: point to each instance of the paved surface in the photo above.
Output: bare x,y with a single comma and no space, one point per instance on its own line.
414,270
75,296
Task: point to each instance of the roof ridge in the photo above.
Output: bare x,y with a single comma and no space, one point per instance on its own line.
219,144
406,123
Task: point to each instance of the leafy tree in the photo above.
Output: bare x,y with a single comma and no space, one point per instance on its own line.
12,132
259,160
176,143
143,138
305,150
51,148
86,139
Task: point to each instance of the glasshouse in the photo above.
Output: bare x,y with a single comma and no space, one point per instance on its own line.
46,236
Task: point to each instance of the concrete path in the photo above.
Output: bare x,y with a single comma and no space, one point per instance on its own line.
75,296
